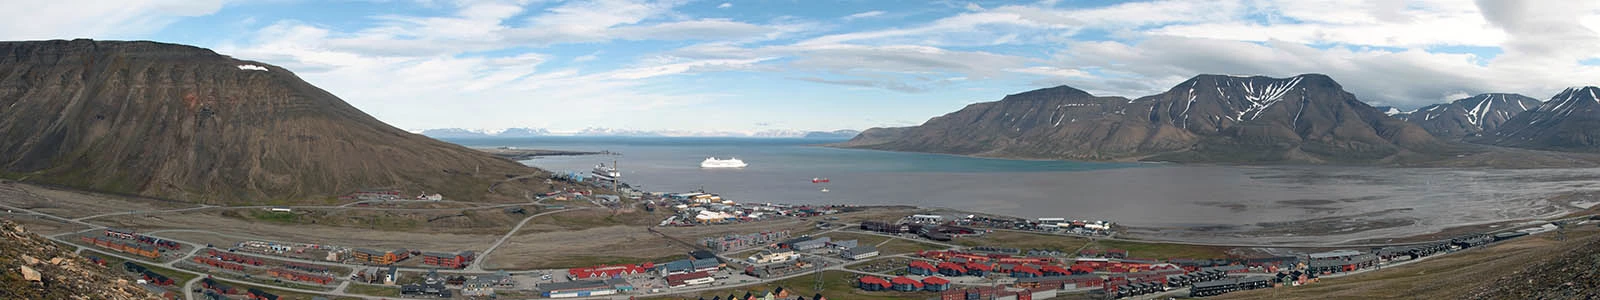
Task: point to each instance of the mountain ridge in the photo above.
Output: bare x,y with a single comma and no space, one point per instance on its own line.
1307,118
185,123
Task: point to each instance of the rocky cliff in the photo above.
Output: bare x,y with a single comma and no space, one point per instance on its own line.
182,122
1212,118
36,268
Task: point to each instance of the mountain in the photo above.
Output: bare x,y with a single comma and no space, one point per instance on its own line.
1469,116
836,134
1570,121
1307,118
61,274
523,132
182,122
453,133
778,133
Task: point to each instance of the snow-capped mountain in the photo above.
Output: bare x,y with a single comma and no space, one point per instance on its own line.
482,133
1569,121
1307,118
618,132
1469,116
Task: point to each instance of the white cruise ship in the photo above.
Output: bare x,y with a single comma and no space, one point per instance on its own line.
608,173
714,163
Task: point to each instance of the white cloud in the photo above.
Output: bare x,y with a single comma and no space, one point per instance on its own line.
725,5
67,19
863,15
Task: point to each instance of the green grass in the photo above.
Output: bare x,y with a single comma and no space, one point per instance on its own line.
372,290
1163,250
836,285
861,239
178,278
276,217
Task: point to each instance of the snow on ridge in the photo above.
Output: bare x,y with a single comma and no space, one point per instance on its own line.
252,68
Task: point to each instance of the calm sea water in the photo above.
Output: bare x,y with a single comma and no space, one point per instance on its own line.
1198,203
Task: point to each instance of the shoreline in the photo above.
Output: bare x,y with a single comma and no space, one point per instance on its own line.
528,154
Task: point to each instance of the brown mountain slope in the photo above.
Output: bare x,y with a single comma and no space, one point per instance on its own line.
1469,117
1570,121
1210,118
186,123
62,274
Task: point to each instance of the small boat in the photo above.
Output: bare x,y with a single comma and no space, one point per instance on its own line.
714,163
824,190
819,180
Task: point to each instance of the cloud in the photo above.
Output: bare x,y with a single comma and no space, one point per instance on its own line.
725,5
863,15
66,19
889,85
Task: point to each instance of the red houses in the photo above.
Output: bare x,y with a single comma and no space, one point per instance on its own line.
921,268
297,276
605,271
951,269
904,284
873,283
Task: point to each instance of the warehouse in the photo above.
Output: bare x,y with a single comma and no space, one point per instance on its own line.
683,280
860,252
577,288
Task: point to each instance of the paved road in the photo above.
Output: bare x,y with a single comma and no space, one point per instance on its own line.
477,266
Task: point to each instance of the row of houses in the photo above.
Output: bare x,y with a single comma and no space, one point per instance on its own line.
584,288
214,262
217,287
297,276
778,293
609,271
903,284
1230,284
688,279
147,251
146,274
231,257
741,241
129,234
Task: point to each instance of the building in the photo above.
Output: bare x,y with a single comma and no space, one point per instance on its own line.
448,260
381,258
609,271
951,269
925,219
904,284
935,284
1228,285
578,288
841,245
920,268
688,279
873,283
434,290
1024,271
859,252
978,269
771,256
811,244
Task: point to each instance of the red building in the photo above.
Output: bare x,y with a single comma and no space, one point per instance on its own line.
448,260
605,271
873,283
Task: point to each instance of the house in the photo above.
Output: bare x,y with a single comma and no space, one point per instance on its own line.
904,284
479,286
376,257
1054,270
860,252
873,283
978,269
841,245
448,260
951,269
702,254
392,275
935,284
920,268
1024,271
576,288
435,290
609,271
688,279
256,294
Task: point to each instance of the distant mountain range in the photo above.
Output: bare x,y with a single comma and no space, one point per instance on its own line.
1238,119
596,131
1212,118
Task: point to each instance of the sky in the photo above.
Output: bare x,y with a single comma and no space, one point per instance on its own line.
757,65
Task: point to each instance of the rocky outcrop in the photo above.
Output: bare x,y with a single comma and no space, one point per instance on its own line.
1469,117
186,123
1209,118
63,276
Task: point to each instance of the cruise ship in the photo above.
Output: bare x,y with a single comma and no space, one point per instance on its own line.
607,173
714,163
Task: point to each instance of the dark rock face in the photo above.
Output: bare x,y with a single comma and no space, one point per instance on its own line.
185,123
1306,118
62,274
1570,121
1469,117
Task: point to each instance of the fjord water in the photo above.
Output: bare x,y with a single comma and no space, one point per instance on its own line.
1258,205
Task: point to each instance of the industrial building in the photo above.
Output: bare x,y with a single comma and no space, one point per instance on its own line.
580,288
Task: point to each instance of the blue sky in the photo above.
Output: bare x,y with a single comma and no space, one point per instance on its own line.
693,67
